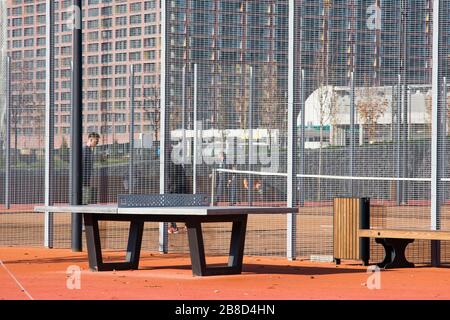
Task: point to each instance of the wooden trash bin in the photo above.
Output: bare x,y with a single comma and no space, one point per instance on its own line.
350,215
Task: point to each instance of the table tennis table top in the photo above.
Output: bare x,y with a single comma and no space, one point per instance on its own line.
200,211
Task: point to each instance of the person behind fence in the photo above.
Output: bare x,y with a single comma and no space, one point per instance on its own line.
177,184
89,192
232,187
257,189
221,178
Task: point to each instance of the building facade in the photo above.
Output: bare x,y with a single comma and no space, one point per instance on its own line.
117,34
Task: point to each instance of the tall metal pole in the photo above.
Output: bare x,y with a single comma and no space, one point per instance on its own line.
436,134
292,141
163,153
183,113
8,133
131,138
352,132
49,121
250,138
196,129
409,104
443,137
393,115
77,128
398,140
405,143
302,169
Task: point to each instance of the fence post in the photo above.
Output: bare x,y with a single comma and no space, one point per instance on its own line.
398,141
49,123
163,237
8,133
196,130
77,129
302,169
292,141
435,134
352,132
250,139
132,106
213,187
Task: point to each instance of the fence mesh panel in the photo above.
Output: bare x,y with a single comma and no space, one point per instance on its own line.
363,100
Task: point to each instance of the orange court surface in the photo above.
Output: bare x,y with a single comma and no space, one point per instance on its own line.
42,274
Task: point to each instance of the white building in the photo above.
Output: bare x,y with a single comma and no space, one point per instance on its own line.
329,108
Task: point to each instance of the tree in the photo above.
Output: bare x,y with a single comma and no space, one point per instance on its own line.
64,150
371,105
151,107
326,93
270,98
27,107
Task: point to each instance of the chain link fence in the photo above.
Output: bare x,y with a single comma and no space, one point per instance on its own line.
363,102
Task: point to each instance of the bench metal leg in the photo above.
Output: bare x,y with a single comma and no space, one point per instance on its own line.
95,251
197,249
395,253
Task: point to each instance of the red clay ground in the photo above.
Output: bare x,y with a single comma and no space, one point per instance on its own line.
40,273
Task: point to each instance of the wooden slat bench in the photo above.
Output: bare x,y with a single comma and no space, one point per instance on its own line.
396,241
352,233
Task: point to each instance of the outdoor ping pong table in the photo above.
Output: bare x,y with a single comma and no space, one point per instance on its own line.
193,217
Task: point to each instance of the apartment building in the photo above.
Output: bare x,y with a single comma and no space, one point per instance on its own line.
117,34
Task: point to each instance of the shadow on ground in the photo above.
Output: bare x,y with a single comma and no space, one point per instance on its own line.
271,269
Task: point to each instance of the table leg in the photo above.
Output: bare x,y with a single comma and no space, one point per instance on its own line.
134,244
197,249
93,241
237,244
95,250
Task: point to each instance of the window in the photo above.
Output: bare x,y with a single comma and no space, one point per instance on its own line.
122,81
150,30
121,69
135,7
121,57
107,11
150,55
121,33
137,31
120,129
135,44
136,19
121,45
148,5
150,17
150,43
122,8
121,21
135,56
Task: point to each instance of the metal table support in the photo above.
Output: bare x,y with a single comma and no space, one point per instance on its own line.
195,237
